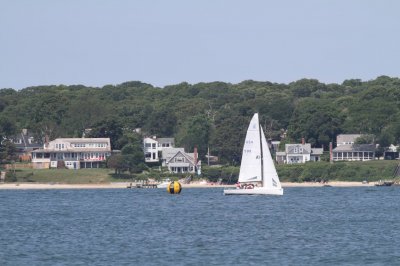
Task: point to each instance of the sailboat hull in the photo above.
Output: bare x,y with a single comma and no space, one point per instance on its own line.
254,191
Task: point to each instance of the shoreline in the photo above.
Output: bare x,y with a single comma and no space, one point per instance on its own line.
119,185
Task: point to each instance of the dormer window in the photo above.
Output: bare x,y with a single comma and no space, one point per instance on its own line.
179,159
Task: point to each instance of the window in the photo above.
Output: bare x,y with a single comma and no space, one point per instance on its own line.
179,159
147,145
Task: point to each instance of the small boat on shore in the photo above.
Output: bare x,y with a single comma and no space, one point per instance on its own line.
384,183
164,184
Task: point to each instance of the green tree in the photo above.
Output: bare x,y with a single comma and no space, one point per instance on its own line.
315,120
196,133
111,128
365,139
116,162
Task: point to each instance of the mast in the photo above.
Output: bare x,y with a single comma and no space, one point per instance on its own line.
262,155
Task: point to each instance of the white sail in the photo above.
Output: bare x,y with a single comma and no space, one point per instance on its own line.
250,168
270,176
255,169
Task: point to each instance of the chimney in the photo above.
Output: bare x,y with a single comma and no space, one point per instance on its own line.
302,141
46,141
330,153
195,155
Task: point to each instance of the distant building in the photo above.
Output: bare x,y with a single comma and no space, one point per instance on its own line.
178,161
154,146
347,150
392,153
299,153
72,153
168,153
355,152
25,143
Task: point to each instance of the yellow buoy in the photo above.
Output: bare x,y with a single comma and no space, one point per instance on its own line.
174,187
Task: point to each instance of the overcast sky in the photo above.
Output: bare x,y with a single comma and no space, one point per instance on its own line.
165,42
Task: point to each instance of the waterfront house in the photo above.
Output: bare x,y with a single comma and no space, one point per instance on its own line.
72,153
299,153
347,149
178,161
153,148
354,152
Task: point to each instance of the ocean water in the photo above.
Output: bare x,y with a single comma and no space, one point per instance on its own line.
306,226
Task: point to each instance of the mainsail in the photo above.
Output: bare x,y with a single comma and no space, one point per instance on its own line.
250,168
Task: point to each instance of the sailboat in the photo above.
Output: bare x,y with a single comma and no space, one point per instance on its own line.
257,175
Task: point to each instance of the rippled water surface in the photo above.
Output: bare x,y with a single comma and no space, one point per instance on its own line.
307,226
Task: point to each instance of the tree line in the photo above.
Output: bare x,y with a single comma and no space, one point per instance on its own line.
211,115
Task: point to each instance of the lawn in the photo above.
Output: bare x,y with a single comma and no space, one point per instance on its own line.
81,176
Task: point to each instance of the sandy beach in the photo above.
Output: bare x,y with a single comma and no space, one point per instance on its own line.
118,185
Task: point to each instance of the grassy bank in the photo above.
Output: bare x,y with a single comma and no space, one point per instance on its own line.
338,171
82,176
309,172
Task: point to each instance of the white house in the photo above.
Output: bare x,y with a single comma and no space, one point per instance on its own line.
354,152
154,146
347,150
178,161
72,153
299,153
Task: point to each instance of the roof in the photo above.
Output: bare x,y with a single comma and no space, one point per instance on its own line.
186,155
167,153
355,147
347,138
83,140
306,148
280,153
24,137
166,140
317,151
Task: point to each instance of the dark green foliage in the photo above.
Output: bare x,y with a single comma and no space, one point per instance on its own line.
212,114
317,121
226,175
338,171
